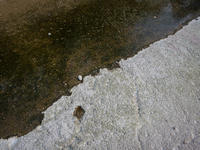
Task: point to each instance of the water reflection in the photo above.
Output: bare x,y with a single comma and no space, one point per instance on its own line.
43,50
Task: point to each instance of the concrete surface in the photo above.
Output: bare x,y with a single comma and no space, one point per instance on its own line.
151,102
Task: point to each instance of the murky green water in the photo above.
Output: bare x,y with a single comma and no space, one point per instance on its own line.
44,50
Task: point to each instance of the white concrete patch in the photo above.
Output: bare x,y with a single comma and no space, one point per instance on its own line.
151,102
168,82
110,115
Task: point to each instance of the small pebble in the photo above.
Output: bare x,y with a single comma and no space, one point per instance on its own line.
49,33
80,78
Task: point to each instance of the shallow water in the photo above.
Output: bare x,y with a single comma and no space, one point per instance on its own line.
45,45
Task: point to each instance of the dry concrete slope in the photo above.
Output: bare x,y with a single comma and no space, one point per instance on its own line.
151,102
167,79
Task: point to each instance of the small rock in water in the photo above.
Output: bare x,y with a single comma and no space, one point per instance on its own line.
80,78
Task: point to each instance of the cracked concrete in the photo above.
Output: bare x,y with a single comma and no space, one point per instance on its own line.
151,102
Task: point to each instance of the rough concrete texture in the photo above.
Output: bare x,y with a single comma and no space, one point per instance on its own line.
151,102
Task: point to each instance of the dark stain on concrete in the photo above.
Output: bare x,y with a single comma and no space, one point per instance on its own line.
78,112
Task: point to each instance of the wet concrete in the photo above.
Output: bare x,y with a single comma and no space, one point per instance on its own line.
45,45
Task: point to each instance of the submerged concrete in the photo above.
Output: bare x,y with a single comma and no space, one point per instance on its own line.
151,102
